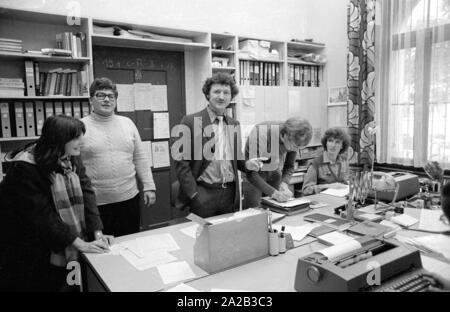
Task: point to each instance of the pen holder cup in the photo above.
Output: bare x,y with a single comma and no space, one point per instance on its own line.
274,245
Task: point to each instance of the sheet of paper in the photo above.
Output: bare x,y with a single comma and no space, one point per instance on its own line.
161,128
134,247
335,251
436,242
148,151
341,192
404,220
430,220
125,100
158,99
150,260
175,272
142,96
335,238
182,288
158,242
190,230
160,153
297,232
294,101
315,204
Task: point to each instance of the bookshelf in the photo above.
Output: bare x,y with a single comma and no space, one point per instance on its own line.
205,53
223,53
22,74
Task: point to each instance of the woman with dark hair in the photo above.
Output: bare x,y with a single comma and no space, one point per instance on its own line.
47,210
331,166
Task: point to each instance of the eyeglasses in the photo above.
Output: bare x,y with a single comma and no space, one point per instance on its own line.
101,96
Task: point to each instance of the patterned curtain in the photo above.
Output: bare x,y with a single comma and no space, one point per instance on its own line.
361,80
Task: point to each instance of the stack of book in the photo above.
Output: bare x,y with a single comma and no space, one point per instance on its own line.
11,87
65,82
10,45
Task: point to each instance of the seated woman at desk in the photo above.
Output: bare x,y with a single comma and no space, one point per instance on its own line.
439,282
331,166
47,210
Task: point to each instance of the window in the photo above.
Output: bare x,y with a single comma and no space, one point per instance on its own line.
414,81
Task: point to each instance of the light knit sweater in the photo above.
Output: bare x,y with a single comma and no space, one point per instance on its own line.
112,152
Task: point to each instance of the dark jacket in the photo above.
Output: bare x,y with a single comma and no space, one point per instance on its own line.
269,178
188,170
30,227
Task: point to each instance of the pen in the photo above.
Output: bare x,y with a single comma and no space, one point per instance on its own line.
270,219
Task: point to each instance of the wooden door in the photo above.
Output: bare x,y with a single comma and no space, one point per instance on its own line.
128,66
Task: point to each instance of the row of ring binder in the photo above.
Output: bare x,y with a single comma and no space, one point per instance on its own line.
26,118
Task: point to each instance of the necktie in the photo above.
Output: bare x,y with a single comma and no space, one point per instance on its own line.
221,137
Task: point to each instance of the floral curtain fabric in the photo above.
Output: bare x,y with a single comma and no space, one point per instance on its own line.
361,81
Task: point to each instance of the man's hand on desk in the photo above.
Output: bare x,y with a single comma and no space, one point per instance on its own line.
280,196
438,283
285,189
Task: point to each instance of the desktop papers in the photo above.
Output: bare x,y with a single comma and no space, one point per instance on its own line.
336,251
404,220
339,192
146,252
438,243
334,238
182,288
297,232
190,230
150,260
430,220
175,272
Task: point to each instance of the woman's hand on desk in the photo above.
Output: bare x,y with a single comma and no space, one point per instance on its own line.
97,246
438,283
280,196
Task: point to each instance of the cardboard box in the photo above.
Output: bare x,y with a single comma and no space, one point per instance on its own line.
232,242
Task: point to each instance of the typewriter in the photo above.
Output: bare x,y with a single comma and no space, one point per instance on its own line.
378,265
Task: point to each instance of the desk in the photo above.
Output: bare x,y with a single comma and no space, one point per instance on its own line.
113,273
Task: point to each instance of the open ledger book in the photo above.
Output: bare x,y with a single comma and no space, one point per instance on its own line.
337,189
294,205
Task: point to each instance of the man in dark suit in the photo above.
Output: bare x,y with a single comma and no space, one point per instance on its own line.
210,154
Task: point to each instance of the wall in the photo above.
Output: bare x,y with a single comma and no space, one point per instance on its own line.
323,20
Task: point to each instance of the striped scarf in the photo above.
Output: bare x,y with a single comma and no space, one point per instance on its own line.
68,199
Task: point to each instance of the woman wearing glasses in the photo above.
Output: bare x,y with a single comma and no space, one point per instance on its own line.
276,145
113,154
331,166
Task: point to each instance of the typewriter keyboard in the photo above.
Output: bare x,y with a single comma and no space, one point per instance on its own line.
412,283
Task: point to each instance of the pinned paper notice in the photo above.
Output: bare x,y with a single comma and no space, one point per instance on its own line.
161,128
125,100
